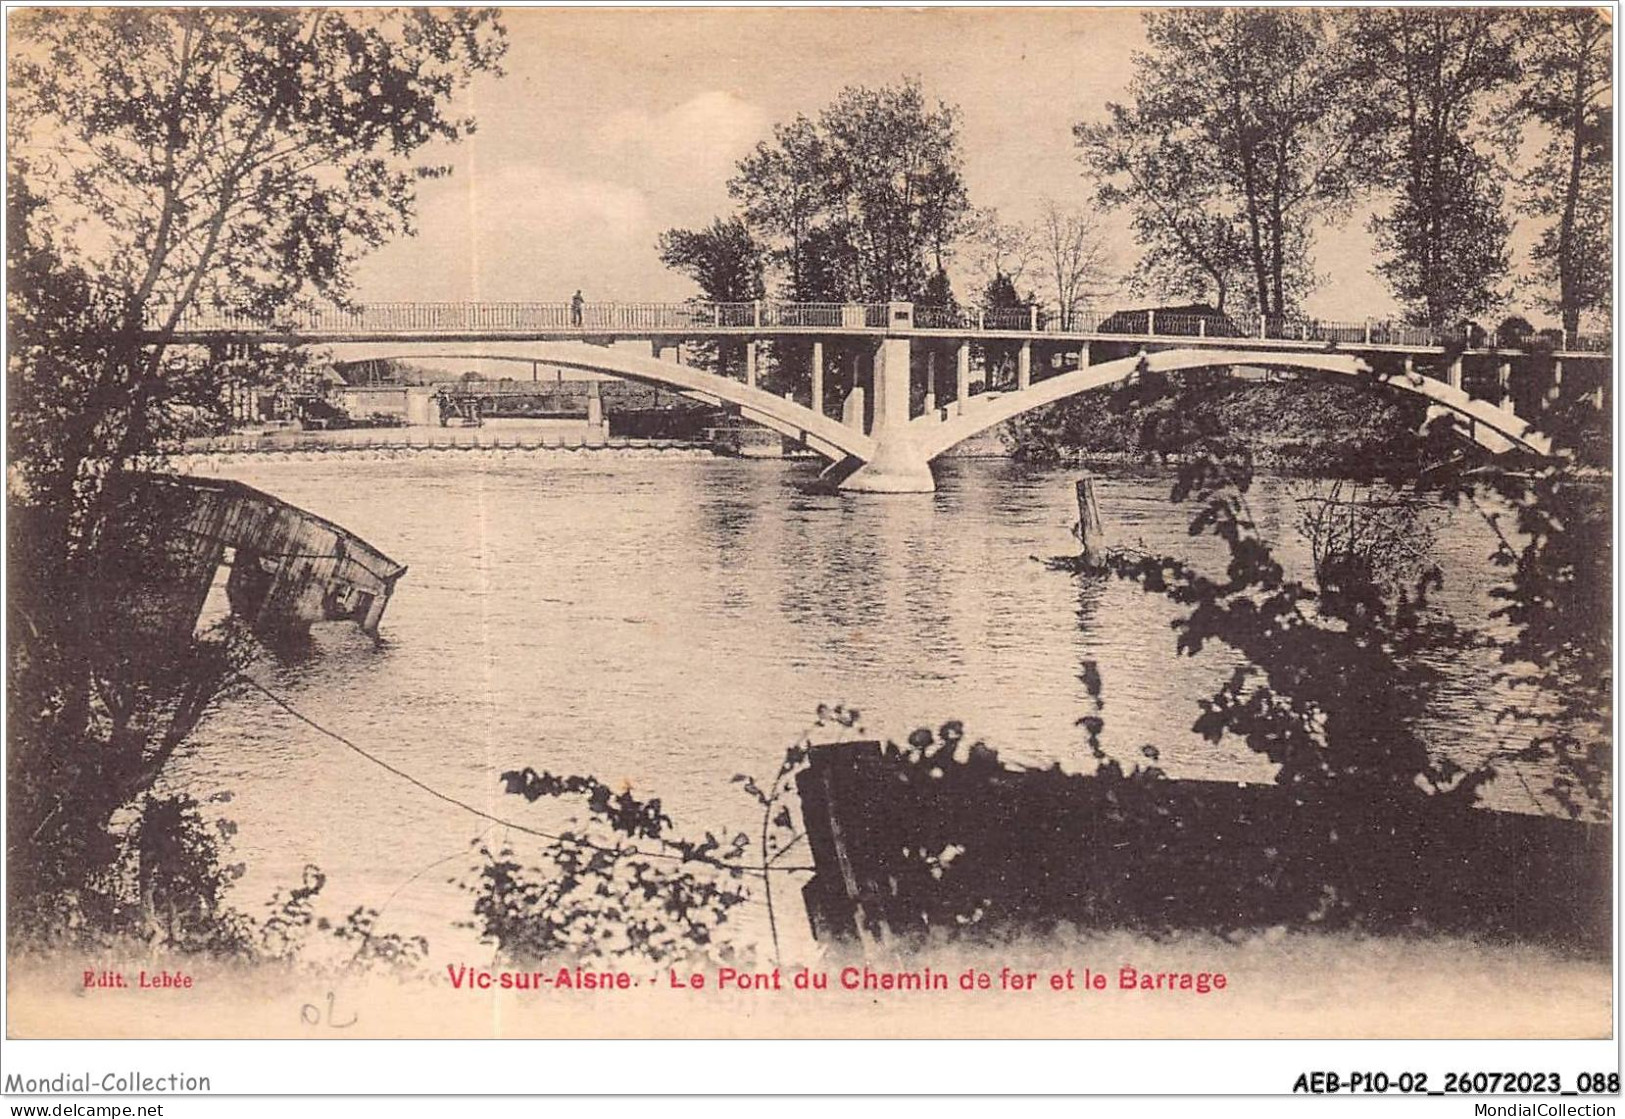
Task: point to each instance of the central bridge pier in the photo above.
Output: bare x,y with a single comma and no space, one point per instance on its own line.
899,464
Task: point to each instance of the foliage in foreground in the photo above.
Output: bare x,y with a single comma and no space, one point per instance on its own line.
1333,680
623,883
601,896
160,889
1553,522
1335,676
162,161
943,841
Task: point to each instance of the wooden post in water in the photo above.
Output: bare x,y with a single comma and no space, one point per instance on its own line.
1091,533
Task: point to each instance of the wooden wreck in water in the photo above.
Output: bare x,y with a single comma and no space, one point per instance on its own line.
289,568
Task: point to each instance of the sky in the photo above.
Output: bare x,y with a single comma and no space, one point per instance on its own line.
610,126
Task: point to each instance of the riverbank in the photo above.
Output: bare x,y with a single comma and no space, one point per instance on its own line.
1293,425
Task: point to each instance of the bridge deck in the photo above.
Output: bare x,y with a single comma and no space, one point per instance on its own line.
542,322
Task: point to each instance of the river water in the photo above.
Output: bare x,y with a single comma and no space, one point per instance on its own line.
667,622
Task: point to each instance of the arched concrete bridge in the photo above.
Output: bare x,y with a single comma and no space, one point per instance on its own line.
829,437
895,457
1495,428
879,444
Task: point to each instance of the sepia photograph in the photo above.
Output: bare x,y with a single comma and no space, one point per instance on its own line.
811,523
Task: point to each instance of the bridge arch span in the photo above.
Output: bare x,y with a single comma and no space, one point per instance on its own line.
1492,427
830,438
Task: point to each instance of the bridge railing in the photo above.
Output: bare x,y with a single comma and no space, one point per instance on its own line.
1185,326
564,317
700,315
1041,319
1343,333
944,318
1389,333
651,316
1589,343
1294,328
1213,325
1007,318
1127,322
794,315
1299,329
1076,322
434,316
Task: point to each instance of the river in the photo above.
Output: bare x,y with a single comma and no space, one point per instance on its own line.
667,622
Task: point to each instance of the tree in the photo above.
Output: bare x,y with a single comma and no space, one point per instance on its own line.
1235,142
995,247
1187,246
1332,682
723,259
864,204
1427,78
1332,685
1075,257
1570,66
1001,295
782,190
233,159
999,358
939,291
163,160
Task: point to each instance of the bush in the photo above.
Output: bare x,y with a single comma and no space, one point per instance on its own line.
1302,425
597,894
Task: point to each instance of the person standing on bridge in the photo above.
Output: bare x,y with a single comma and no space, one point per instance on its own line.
576,303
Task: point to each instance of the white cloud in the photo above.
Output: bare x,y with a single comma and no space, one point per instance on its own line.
699,140
534,213
524,232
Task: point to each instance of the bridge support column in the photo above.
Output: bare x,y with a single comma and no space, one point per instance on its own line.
962,374
855,402
1556,390
856,390
1083,355
818,377
1024,366
595,405
1455,373
1410,366
891,385
852,408
750,362
930,381
1503,383
897,467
